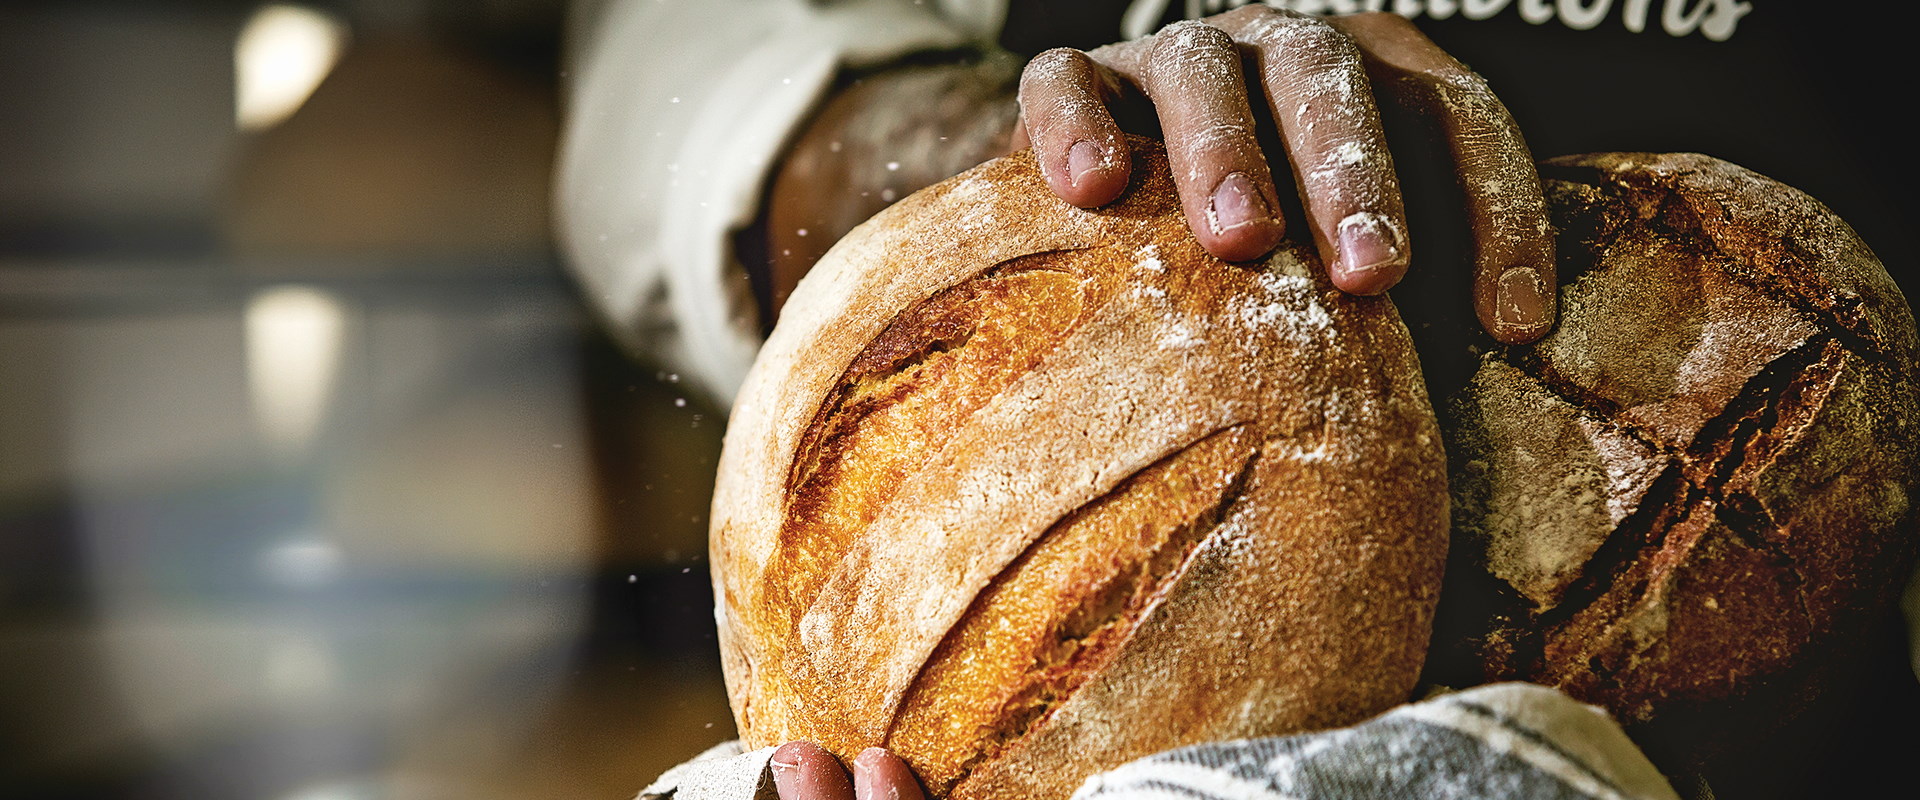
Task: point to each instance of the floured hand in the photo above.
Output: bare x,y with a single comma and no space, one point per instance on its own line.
1315,75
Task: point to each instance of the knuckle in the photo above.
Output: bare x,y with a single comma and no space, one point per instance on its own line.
1246,13
1479,114
1053,74
1058,64
1467,82
1255,12
1187,36
1187,27
1354,173
1221,135
1297,35
1189,46
1317,37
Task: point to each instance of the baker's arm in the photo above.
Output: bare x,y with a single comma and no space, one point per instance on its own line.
675,114
883,135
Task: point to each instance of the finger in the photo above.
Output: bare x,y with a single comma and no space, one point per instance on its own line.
1063,110
1193,77
804,771
1513,284
880,775
1317,87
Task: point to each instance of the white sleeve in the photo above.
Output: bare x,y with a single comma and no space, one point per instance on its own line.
675,113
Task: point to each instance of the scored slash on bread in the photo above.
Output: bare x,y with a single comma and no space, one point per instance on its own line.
1694,498
1023,491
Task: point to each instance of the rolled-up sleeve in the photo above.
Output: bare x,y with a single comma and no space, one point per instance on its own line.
676,111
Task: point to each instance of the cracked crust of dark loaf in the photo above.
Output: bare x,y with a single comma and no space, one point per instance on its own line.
1265,562
1780,522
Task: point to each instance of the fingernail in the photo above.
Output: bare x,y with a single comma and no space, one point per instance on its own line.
786,772
1368,242
879,775
803,769
1082,158
863,771
1236,204
1519,299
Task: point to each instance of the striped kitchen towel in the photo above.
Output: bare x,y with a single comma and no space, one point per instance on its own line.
1502,740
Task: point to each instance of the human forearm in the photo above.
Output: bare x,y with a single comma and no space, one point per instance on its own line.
878,138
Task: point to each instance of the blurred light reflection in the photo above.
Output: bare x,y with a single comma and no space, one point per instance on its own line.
315,484
305,562
293,356
281,56
336,790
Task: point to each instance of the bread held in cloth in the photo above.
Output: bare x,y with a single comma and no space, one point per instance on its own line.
1695,498
1023,491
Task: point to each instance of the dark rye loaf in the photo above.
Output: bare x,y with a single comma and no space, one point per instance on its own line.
1696,494
1023,491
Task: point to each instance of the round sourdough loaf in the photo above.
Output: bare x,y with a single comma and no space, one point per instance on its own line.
1696,494
1023,491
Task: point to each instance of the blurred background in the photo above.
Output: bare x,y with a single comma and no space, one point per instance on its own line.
316,480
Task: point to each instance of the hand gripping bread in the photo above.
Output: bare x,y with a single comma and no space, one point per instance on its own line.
1022,491
1698,490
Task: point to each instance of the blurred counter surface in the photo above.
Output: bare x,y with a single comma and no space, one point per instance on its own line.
316,481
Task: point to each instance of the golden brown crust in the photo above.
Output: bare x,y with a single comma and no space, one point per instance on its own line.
1023,491
1702,481
1063,609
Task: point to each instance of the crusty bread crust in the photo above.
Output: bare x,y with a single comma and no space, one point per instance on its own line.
1023,491
1700,486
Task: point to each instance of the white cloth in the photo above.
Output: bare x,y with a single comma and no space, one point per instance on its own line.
1502,740
675,113
726,771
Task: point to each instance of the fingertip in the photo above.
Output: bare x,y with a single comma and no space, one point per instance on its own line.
1368,280
797,752
1519,335
1094,173
1237,222
806,771
1522,336
1523,306
1245,243
872,756
1370,253
1063,112
878,773
788,756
